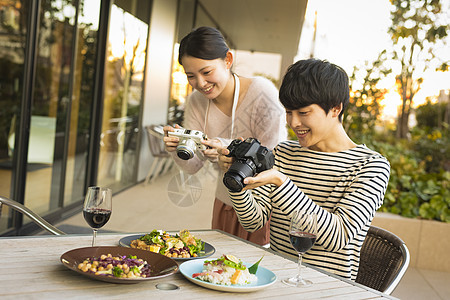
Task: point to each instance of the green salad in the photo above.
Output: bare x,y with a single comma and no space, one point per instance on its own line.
181,245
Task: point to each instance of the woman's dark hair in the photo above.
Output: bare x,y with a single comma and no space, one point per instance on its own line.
204,43
314,81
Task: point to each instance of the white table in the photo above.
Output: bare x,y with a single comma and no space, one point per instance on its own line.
30,269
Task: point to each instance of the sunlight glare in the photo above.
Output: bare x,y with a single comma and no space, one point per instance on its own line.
390,104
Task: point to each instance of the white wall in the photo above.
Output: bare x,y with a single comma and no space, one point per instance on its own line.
158,72
248,63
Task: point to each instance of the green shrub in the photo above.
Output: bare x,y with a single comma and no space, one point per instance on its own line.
413,191
433,147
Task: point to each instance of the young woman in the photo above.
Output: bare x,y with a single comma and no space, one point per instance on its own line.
324,172
225,106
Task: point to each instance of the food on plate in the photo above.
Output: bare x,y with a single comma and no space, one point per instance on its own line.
182,245
227,270
116,266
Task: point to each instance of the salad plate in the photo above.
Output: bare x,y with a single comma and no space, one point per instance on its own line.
160,265
208,251
265,278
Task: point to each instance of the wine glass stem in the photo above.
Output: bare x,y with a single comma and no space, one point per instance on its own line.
299,272
94,236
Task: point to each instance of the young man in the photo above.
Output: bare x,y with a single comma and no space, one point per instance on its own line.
324,172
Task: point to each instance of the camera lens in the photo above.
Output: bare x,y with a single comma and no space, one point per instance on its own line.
185,149
185,154
234,177
233,182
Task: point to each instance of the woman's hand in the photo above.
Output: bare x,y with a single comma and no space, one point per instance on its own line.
271,176
171,142
225,161
211,153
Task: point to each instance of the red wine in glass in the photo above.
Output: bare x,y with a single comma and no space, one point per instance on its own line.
302,241
97,208
96,218
302,235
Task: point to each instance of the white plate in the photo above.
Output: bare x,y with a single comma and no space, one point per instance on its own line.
265,278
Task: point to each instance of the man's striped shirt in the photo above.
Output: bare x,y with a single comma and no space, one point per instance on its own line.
343,188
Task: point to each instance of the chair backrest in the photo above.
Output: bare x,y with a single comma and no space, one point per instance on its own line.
383,261
30,214
155,140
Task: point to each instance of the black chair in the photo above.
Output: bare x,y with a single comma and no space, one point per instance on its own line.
162,161
383,261
30,214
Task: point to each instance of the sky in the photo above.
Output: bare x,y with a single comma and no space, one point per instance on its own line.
350,32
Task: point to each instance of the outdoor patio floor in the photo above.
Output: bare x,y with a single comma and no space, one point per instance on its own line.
172,202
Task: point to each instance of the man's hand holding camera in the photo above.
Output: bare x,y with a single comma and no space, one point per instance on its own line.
270,176
242,160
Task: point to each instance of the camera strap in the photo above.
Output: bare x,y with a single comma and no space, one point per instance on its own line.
233,111
235,102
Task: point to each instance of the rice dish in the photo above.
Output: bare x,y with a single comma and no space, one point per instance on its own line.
226,270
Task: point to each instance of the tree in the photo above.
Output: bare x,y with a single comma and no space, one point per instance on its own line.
364,110
418,29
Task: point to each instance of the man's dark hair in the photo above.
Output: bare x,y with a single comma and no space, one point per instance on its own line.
204,43
314,81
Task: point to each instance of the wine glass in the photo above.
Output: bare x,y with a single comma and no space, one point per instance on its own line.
303,234
97,208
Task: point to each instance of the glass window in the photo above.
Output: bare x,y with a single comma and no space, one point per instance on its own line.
63,97
82,97
179,91
12,54
124,79
61,101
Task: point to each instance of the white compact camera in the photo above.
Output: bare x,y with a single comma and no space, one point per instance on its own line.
190,141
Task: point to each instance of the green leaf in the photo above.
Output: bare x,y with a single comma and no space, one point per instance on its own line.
117,272
254,267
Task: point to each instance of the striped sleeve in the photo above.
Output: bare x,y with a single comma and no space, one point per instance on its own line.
253,208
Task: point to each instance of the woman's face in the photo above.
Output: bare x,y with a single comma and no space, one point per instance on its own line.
209,77
312,126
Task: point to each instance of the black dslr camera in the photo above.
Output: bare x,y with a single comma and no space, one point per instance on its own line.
250,158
